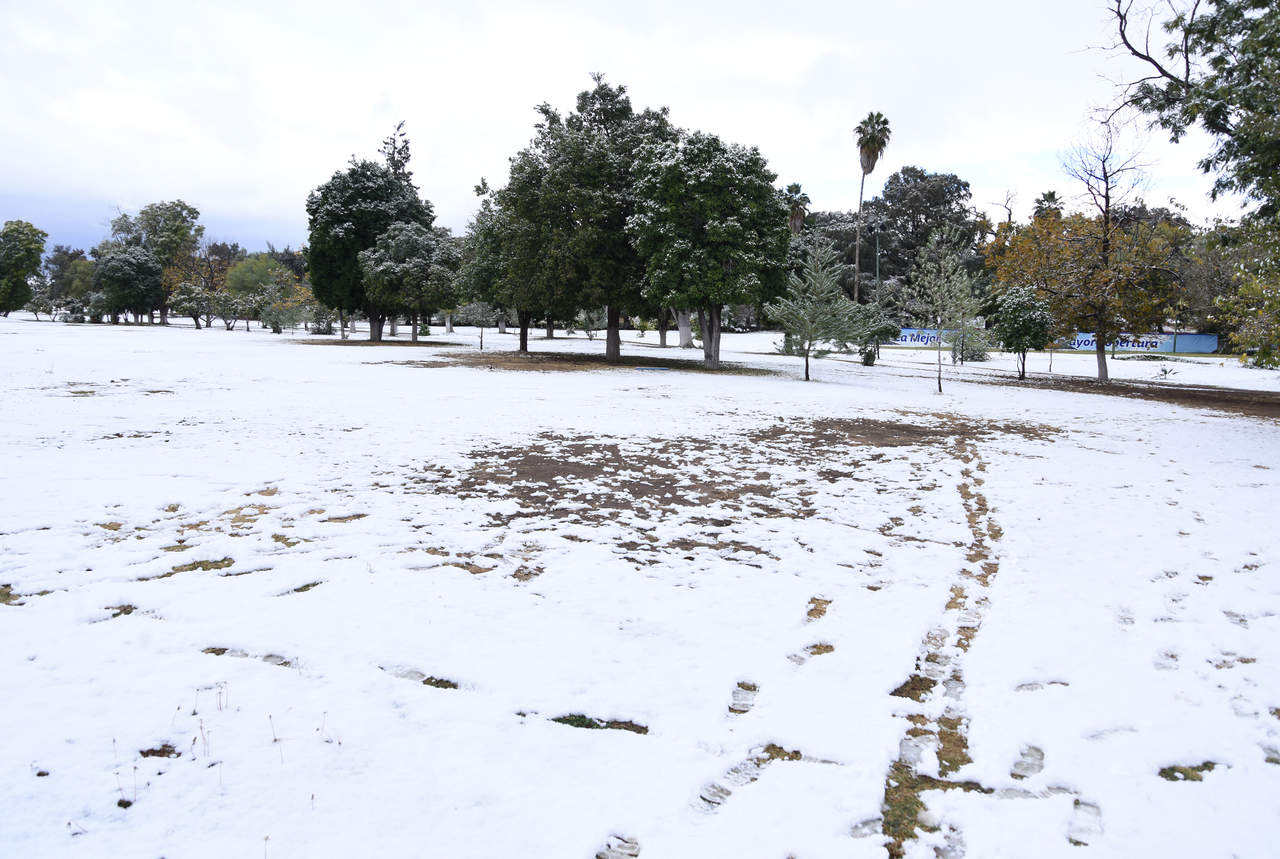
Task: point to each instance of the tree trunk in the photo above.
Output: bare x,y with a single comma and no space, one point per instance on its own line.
502,323
685,324
448,323
275,328
523,318
1022,365
613,334
806,365
857,242
196,320
662,326
551,329
1101,349
413,321
709,324
376,321
394,320
342,324
939,356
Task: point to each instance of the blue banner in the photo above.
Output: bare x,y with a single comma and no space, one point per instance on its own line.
1202,343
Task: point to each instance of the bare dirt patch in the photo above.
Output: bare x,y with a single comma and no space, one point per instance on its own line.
561,362
421,344
1262,404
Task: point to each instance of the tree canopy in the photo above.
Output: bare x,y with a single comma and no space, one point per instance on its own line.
711,227
21,246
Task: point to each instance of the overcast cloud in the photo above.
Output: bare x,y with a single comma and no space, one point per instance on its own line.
242,108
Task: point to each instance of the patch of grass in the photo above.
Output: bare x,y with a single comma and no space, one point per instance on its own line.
439,683
179,546
110,526
118,610
284,541
1186,773
7,596
775,752
353,517
817,608
916,687
220,564
164,751
302,589
578,720
820,648
953,745
902,805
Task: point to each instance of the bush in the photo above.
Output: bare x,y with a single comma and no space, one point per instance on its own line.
970,344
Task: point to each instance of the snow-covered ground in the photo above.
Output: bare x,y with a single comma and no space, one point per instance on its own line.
272,598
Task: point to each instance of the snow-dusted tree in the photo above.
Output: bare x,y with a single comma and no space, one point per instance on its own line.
816,314
711,228
411,269
941,293
347,214
193,299
1022,322
130,280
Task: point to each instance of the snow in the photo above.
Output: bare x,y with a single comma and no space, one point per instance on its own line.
348,522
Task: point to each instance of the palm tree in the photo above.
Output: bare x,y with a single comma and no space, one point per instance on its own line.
798,202
873,136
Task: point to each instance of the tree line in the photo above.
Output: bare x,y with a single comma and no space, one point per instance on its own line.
613,213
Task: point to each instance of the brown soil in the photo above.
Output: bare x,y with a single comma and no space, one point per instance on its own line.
571,362
1262,404
337,341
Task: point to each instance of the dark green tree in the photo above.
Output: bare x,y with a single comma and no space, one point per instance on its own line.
131,280
345,216
712,229
21,246
57,270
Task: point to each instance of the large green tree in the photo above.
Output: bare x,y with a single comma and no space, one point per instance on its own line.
711,227
21,246
592,163
170,231
130,280
1219,71
346,215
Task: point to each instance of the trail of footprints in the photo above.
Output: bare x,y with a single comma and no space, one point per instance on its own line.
939,733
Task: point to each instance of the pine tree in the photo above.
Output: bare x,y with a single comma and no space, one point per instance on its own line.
815,310
941,291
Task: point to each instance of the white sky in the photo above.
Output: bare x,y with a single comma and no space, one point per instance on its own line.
242,108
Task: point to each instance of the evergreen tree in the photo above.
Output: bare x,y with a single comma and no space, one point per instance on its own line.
711,228
347,214
941,293
816,313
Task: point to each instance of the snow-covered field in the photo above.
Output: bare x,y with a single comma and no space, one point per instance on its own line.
270,598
